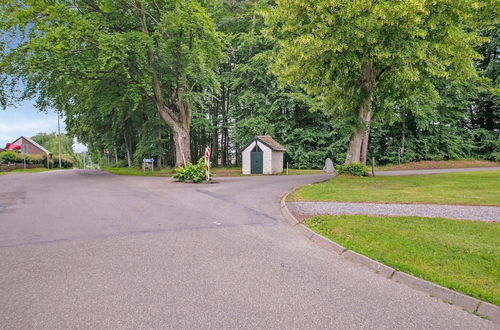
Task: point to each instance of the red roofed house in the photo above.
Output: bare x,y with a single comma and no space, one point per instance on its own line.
30,146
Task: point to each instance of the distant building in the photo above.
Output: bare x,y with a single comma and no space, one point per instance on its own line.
263,155
30,146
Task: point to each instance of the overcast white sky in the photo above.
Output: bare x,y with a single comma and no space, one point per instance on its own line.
25,120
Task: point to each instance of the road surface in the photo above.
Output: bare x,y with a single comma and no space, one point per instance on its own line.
90,250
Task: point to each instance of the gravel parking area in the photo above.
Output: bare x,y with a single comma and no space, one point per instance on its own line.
481,213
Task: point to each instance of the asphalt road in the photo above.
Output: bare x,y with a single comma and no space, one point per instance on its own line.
89,250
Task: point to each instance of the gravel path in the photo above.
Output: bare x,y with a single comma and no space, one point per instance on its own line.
481,213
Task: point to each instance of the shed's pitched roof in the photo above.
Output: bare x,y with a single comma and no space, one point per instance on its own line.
270,142
33,143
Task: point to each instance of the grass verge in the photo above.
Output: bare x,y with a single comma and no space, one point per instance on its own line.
467,188
429,164
138,172
30,170
460,255
218,171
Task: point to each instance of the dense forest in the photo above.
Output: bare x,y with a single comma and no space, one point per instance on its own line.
397,80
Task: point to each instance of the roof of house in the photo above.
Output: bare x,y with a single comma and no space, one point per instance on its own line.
33,143
268,141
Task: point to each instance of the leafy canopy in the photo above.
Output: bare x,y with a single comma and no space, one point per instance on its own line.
323,44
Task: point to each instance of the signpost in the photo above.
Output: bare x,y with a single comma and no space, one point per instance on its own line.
207,163
106,155
148,162
24,150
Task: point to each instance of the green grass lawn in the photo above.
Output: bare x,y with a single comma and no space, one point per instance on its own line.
29,170
217,171
138,172
460,255
467,188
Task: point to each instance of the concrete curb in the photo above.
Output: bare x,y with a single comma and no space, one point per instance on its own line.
471,304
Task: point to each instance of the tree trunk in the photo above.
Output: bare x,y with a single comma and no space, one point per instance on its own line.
128,147
182,145
354,151
367,86
129,154
215,133
366,138
177,113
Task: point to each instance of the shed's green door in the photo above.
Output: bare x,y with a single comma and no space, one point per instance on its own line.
256,158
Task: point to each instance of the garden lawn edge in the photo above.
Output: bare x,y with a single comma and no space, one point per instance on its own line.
474,305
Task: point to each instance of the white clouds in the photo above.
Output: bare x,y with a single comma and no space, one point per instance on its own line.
25,120
9,131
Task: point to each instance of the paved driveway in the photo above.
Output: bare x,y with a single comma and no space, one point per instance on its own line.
86,249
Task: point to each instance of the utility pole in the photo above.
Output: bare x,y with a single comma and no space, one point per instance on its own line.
59,136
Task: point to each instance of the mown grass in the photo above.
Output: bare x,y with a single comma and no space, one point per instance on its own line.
29,170
132,171
217,171
439,164
460,255
467,188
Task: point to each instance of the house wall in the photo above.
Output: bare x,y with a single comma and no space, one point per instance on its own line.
268,158
267,166
31,149
277,163
245,158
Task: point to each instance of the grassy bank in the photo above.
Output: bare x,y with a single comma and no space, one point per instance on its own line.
217,171
460,255
439,164
468,188
30,170
139,172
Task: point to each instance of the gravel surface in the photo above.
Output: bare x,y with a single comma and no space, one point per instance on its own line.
481,213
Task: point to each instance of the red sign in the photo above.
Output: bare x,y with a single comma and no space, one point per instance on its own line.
11,146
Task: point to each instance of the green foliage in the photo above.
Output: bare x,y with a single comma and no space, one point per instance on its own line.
91,61
355,169
487,144
50,141
191,172
101,63
323,45
362,57
7,157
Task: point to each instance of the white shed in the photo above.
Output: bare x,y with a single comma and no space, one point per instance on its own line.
263,155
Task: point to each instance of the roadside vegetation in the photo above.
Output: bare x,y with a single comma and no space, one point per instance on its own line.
217,171
460,255
133,171
29,170
468,188
252,68
428,165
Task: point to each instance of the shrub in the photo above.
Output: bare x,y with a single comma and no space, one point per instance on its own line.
341,169
191,172
7,157
356,169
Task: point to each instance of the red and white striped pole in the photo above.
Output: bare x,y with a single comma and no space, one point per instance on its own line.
207,163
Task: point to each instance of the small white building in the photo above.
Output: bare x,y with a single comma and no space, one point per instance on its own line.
263,155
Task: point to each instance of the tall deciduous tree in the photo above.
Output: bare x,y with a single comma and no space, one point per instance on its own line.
350,53
116,53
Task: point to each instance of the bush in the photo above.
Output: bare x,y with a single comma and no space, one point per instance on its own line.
7,157
356,169
191,173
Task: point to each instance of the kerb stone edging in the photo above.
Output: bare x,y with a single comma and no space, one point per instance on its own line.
469,303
